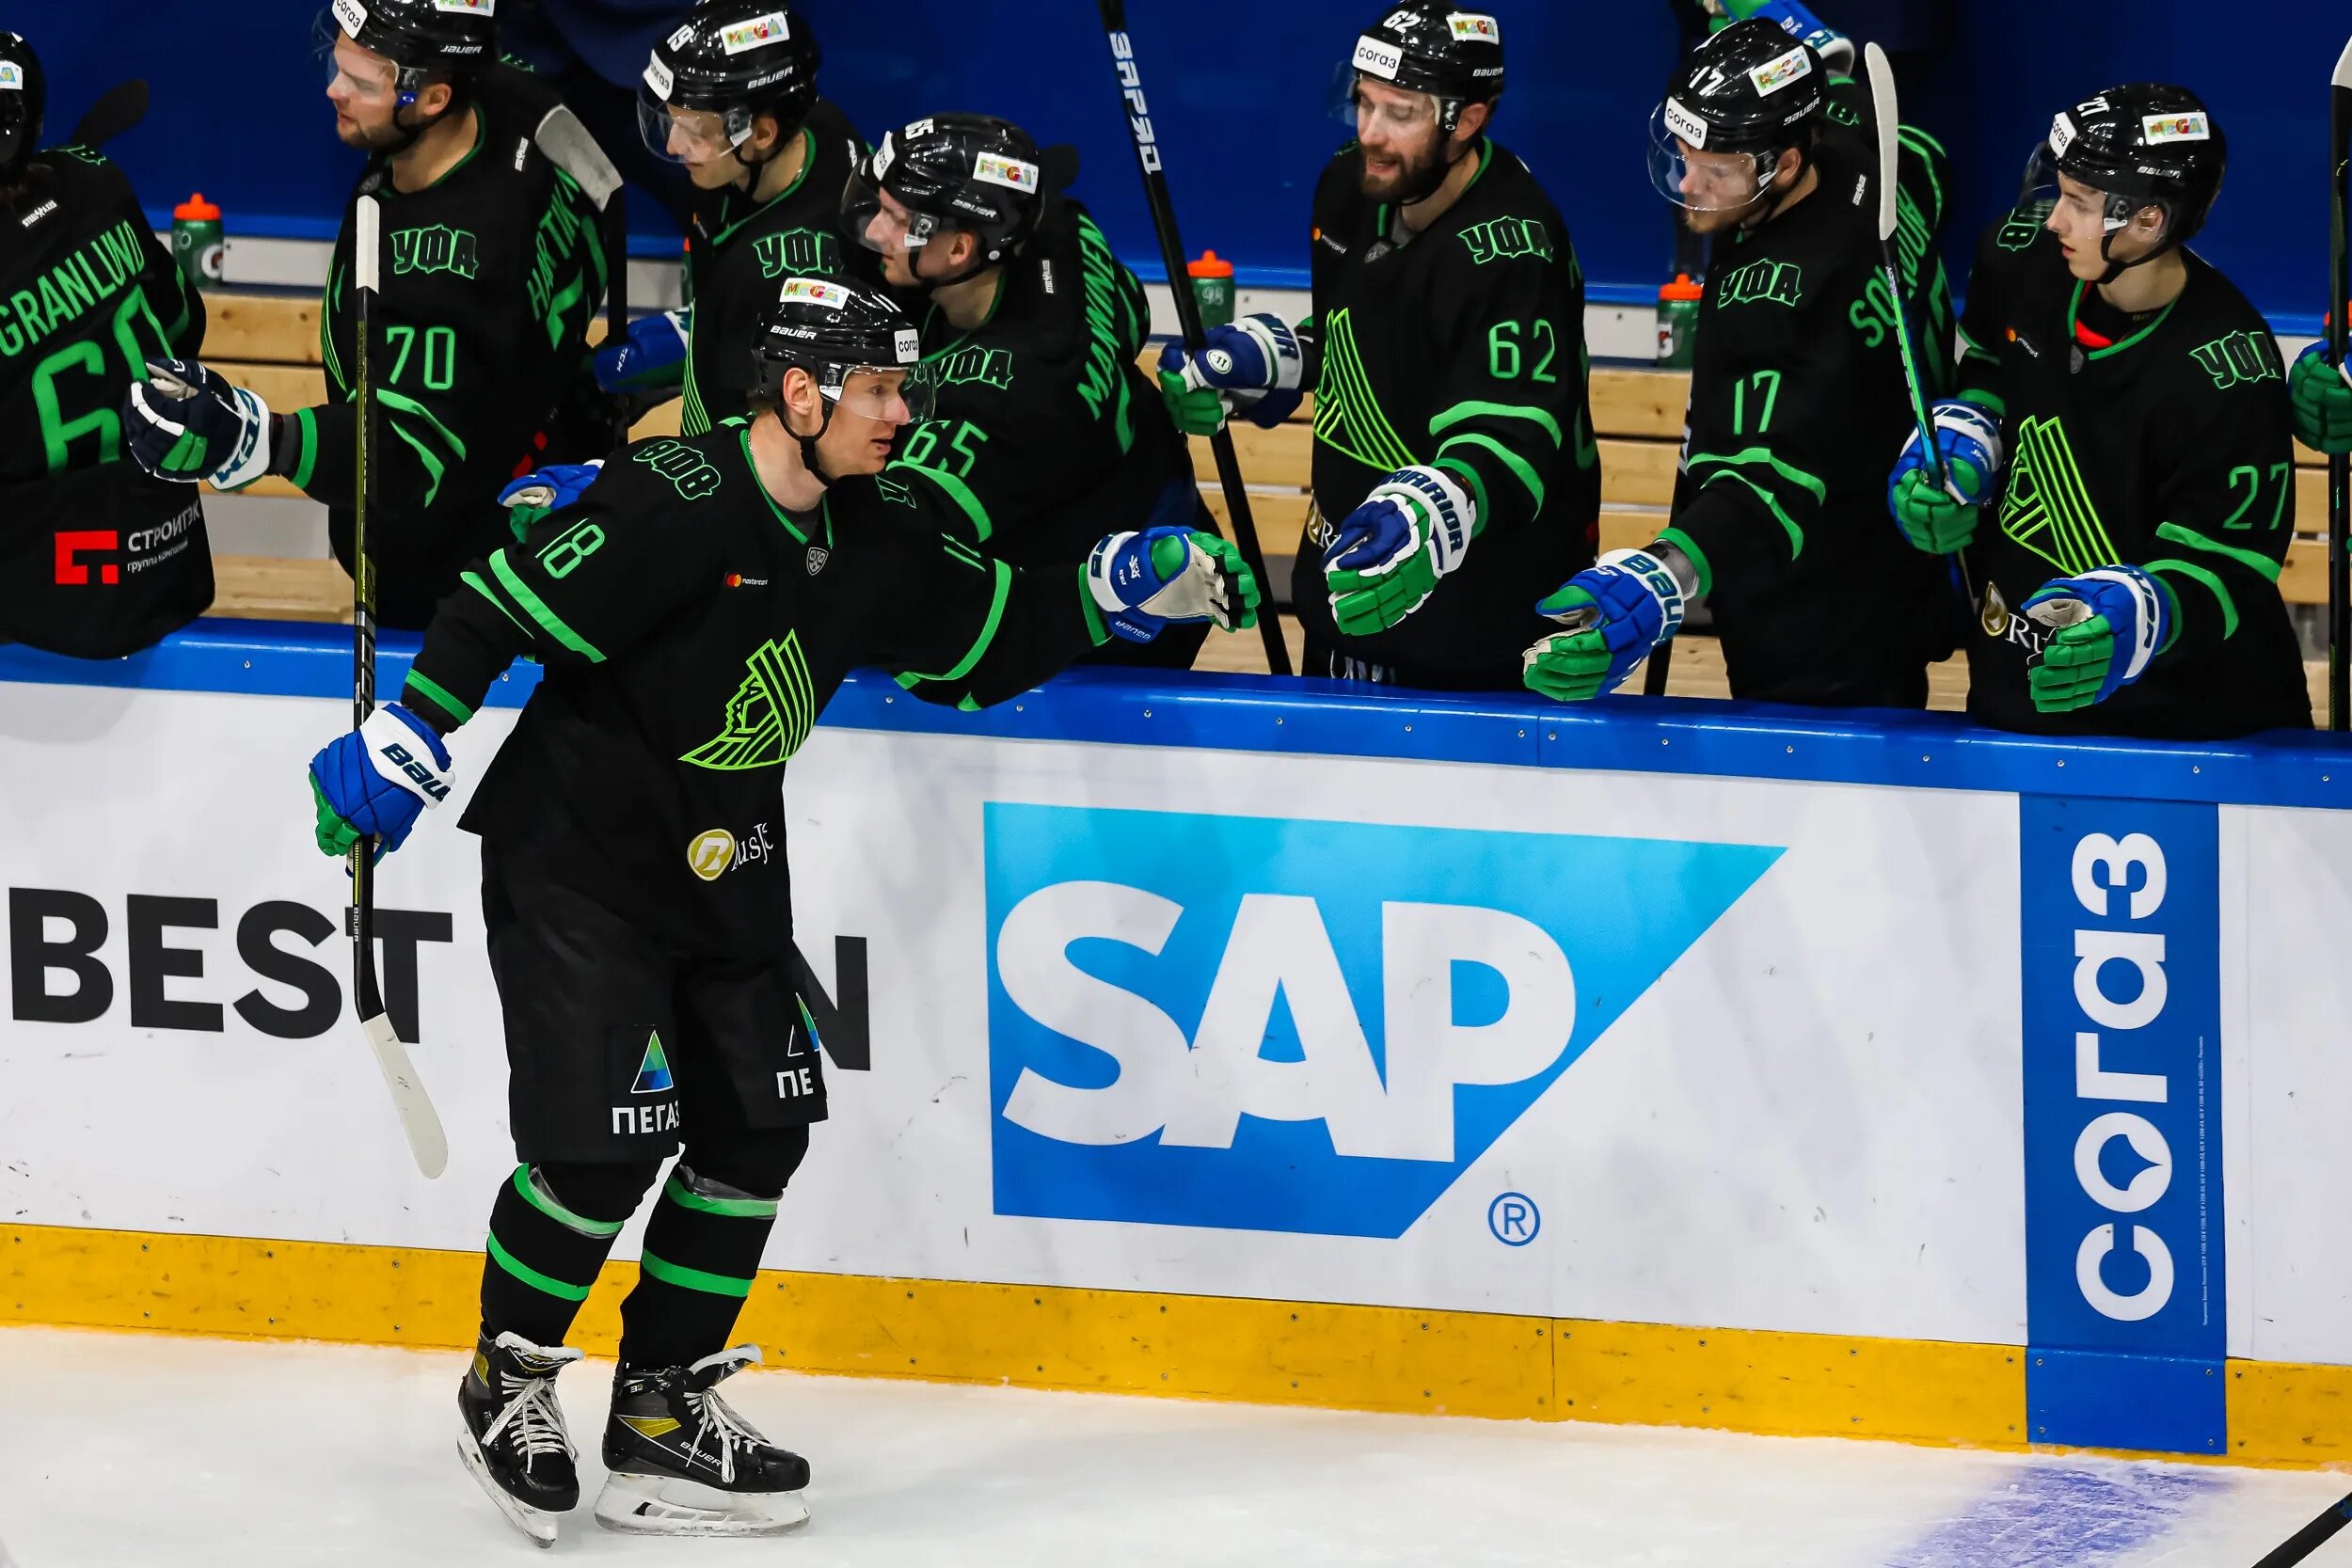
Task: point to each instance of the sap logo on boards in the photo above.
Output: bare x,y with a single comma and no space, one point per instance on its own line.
1266,1023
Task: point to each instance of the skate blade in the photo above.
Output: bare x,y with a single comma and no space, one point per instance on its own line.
536,1523
667,1505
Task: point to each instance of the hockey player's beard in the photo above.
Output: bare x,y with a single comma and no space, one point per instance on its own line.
1417,177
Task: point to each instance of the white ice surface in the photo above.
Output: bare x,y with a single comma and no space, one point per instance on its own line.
161,1452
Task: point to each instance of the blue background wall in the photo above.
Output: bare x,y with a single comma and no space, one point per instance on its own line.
1239,88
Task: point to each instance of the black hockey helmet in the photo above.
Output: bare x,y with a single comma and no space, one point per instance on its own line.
23,100
1455,56
2146,144
730,59
454,39
971,173
1750,88
837,329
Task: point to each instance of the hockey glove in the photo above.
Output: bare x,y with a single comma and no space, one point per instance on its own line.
2105,626
1145,582
1385,560
376,780
1616,612
188,423
2322,396
1941,520
1252,367
547,490
650,357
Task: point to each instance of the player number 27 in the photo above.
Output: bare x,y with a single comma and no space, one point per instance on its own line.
1510,344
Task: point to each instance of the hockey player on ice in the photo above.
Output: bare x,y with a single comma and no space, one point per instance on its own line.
96,559
1046,426
494,268
2120,464
1455,474
1797,391
731,96
695,610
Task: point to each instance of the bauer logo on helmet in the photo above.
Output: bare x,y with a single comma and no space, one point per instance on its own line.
2164,128
757,33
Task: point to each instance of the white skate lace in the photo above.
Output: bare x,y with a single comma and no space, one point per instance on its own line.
538,1420
733,1431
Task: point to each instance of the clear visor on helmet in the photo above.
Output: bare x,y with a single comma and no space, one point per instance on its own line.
1699,180
361,73
1397,111
2043,192
879,221
689,135
885,394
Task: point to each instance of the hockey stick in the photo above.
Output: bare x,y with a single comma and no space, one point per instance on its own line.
418,1118
1888,115
568,144
2340,466
118,109
2303,1543
1139,113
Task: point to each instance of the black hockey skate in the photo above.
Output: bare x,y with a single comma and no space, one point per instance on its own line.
514,1440
682,1463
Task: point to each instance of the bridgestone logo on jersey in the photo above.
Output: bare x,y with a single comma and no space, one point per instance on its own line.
1685,124
1773,75
1375,58
757,33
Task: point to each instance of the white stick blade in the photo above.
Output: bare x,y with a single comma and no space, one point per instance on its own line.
365,244
1890,116
2344,67
418,1118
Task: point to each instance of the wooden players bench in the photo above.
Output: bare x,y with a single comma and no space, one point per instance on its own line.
270,341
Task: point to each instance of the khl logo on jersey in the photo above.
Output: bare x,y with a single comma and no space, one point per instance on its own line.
1263,1024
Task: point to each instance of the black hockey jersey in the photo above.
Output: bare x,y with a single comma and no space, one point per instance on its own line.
489,281
1461,348
1048,431
739,251
2172,449
97,558
693,632
1799,406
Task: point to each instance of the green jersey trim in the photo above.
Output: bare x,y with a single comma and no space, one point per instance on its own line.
1096,631
306,443
1511,460
809,162
1462,411
2261,565
433,692
475,583
960,493
1690,547
2074,304
548,620
743,439
988,629
2218,590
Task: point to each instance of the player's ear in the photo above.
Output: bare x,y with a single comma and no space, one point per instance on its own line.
434,100
765,133
1474,119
